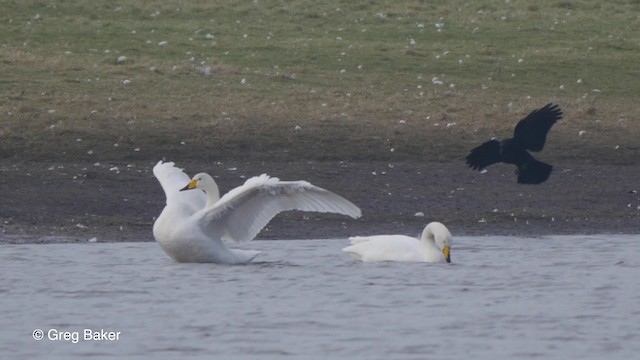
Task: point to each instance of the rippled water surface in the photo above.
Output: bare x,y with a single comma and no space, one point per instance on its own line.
569,297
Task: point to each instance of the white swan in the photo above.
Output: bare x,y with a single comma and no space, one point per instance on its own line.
433,246
193,224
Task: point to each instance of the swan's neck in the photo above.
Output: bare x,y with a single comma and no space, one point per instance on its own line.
428,239
213,194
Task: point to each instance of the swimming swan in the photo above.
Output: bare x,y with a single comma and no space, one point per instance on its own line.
193,224
433,246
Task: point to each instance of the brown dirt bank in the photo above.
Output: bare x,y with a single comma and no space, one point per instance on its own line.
117,201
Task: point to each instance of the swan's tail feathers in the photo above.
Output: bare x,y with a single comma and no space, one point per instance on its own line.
353,252
484,155
357,239
533,172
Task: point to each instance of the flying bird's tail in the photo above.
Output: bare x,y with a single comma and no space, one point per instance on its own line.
533,171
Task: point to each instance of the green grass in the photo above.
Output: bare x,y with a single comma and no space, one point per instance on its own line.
356,77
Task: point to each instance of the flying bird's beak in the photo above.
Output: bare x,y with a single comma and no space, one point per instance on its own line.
447,253
190,186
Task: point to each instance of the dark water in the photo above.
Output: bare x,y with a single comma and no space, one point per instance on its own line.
569,297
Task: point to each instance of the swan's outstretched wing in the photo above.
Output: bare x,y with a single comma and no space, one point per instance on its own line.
532,131
172,179
245,210
484,155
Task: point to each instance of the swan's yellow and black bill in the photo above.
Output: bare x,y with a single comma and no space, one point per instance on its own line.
190,186
447,253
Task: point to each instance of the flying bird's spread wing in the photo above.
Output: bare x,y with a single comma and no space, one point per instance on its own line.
531,132
245,210
484,155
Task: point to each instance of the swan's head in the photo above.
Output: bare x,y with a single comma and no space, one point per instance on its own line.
201,181
439,234
446,250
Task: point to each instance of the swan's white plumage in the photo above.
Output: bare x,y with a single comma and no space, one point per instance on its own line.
172,180
433,246
192,225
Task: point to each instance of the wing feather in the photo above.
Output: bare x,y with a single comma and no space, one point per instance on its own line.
245,210
484,155
172,179
532,131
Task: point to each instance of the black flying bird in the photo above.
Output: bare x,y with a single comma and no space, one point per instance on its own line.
530,134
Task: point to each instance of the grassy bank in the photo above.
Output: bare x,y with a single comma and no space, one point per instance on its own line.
322,80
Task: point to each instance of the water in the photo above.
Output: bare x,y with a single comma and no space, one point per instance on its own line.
569,297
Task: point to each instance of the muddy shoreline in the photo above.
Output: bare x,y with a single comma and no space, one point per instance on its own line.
44,201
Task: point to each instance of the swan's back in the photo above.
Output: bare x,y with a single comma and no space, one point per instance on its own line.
384,248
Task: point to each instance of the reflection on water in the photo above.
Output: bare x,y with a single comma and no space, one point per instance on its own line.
552,297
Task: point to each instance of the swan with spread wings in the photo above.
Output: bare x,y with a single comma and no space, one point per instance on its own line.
196,221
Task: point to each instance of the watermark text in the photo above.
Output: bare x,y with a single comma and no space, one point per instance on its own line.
77,336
